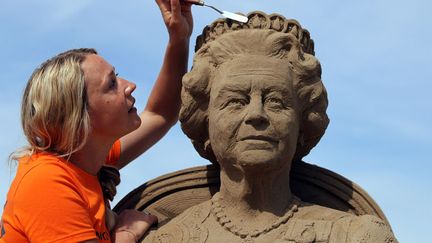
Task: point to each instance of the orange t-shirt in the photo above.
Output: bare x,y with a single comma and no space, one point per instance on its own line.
52,200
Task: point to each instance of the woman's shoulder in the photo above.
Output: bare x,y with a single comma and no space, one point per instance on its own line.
40,167
49,168
36,166
41,173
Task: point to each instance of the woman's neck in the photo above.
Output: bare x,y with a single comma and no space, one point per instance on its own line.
92,156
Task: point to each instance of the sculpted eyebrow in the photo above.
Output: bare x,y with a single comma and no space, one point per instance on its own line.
284,92
278,89
255,73
231,89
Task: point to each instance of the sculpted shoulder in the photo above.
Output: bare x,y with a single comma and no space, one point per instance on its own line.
370,229
186,227
309,211
314,223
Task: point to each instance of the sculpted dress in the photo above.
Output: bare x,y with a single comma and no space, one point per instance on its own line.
306,224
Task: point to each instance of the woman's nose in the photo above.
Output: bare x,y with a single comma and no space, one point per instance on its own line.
256,114
130,88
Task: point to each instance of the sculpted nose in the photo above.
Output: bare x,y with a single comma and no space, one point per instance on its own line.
256,115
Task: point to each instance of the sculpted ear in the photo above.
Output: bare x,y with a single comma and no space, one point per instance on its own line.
209,152
300,139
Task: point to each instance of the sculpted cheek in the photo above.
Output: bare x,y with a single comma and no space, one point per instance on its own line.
223,129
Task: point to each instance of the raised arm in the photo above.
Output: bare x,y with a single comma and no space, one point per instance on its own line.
161,111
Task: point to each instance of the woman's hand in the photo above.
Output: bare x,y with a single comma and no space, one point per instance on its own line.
177,16
132,225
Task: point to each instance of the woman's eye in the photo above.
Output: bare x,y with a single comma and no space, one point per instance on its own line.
113,82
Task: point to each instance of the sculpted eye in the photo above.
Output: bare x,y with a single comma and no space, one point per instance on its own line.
235,102
274,102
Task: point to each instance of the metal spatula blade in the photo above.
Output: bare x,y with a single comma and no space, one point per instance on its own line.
233,16
226,14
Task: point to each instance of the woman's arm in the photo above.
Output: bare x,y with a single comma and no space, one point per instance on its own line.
131,226
161,111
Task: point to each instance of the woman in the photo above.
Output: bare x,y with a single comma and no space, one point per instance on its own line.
78,115
254,103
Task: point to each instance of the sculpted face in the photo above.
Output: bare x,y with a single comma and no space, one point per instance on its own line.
253,114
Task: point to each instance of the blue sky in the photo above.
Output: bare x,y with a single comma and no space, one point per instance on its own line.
375,55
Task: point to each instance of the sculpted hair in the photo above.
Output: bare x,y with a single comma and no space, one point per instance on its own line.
255,43
54,113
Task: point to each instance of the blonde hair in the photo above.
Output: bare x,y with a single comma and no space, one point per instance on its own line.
54,114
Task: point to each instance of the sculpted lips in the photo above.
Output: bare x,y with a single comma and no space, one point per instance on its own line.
259,138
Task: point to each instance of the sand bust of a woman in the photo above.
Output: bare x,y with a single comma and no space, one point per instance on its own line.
254,103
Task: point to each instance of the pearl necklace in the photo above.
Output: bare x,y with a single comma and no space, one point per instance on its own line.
221,217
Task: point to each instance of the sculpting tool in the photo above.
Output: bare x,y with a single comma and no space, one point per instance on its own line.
226,14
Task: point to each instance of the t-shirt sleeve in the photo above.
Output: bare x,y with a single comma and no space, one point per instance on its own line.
51,208
114,154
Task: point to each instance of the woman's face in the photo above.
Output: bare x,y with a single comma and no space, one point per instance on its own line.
110,101
253,114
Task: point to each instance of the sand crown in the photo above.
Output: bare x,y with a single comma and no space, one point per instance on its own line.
257,20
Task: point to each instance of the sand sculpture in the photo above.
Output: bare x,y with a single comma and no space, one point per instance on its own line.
254,105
